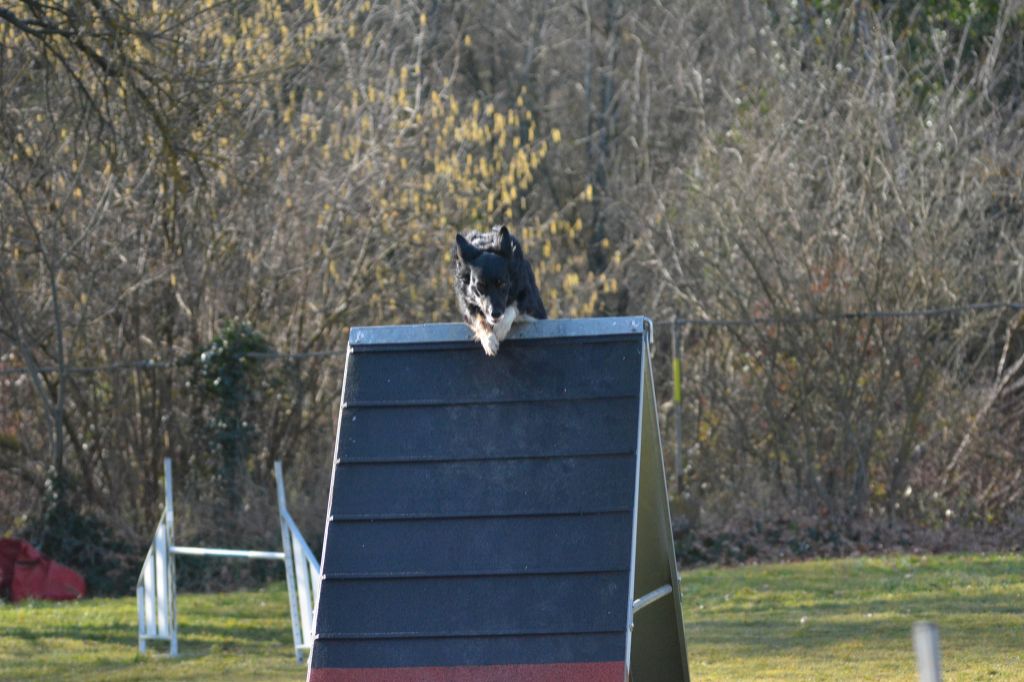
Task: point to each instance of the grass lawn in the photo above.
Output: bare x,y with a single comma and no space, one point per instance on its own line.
851,619
819,620
221,637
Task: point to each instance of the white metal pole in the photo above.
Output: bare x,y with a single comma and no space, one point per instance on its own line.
289,567
140,599
651,597
168,498
227,553
171,594
161,557
926,646
149,587
302,580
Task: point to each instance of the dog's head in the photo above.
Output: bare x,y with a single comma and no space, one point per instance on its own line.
486,275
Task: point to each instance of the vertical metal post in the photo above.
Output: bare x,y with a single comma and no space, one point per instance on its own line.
161,555
149,589
302,583
289,562
171,597
926,646
140,599
677,404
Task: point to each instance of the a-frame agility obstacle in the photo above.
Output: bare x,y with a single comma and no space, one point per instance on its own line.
499,518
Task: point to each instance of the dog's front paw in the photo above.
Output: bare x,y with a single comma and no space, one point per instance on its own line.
490,343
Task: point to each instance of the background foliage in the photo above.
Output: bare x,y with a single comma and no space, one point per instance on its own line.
201,183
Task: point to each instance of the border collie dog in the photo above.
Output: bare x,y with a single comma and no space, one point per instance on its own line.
494,285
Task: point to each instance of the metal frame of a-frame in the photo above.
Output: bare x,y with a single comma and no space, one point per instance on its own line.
501,518
156,592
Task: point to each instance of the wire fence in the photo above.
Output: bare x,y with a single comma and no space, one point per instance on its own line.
847,316
678,351
901,414
675,322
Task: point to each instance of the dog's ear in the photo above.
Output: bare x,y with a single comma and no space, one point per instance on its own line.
505,245
464,250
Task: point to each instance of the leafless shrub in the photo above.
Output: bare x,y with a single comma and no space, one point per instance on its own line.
829,175
303,167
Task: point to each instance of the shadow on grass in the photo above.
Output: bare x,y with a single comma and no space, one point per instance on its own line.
755,637
232,634
107,634
206,636
206,628
905,604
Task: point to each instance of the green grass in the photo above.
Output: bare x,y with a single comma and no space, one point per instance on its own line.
851,619
818,620
221,637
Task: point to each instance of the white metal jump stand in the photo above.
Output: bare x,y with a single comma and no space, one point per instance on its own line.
158,613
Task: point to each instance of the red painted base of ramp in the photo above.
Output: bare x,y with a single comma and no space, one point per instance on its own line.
613,671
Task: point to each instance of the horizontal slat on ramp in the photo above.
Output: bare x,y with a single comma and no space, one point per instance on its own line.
563,427
483,488
472,606
561,372
479,546
469,651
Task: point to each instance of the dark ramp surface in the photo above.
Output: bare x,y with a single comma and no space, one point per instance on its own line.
482,509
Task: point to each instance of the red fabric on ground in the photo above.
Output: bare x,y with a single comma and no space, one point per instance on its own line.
26,573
